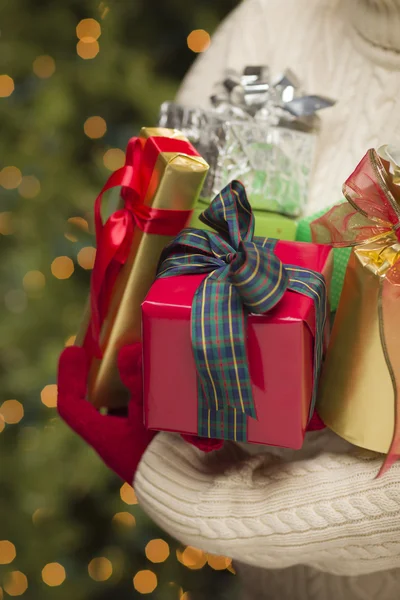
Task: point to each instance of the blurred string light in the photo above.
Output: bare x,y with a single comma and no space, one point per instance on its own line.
6,86
185,596
78,222
33,281
125,519
15,583
44,66
6,223
104,10
127,494
70,341
192,558
62,267
86,257
7,552
145,582
10,178
95,127
12,411
157,551
100,569
15,301
2,423
88,31
198,40
114,159
53,574
29,187
48,395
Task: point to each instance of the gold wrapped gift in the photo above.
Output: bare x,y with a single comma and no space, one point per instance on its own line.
358,395
160,181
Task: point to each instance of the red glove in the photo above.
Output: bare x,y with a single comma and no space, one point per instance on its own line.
119,441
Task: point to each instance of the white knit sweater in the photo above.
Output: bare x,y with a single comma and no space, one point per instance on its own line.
314,524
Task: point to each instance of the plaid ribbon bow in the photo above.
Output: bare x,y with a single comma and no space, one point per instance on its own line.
244,275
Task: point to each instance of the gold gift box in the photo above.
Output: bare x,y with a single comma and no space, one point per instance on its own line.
175,184
358,384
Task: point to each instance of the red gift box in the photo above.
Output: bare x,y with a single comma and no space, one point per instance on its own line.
280,350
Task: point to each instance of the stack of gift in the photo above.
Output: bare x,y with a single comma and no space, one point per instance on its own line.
247,320
261,132
160,183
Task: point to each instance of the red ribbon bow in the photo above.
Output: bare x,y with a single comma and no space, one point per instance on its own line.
114,238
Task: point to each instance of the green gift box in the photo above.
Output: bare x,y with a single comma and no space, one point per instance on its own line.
267,224
340,257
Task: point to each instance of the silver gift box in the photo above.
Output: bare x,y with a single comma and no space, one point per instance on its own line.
260,132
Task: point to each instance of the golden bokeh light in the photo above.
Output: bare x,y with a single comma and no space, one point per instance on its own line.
88,29
12,411
44,66
6,86
145,582
125,519
218,563
114,159
192,558
185,596
87,50
15,583
2,423
10,178
33,281
48,395
95,127
79,223
29,187
70,341
100,569
127,494
7,552
6,223
86,257
198,40
53,574
157,551
62,267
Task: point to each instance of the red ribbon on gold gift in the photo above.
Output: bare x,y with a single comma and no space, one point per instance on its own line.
114,238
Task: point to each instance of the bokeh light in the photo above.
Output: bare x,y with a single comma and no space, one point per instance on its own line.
124,519
2,423
185,596
29,187
87,50
33,281
53,574
62,267
192,558
12,411
127,494
39,516
218,563
79,223
6,86
100,569
44,66
114,159
15,301
86,257
95,127
6,223
10,178
7,552
157,551
145,582
70,341
15,583
48,395
88,29
198,40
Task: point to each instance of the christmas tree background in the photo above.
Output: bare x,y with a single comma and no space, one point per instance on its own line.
77,79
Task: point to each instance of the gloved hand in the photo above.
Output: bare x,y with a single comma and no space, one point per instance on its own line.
119,441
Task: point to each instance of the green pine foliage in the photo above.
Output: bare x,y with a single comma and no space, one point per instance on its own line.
57,500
